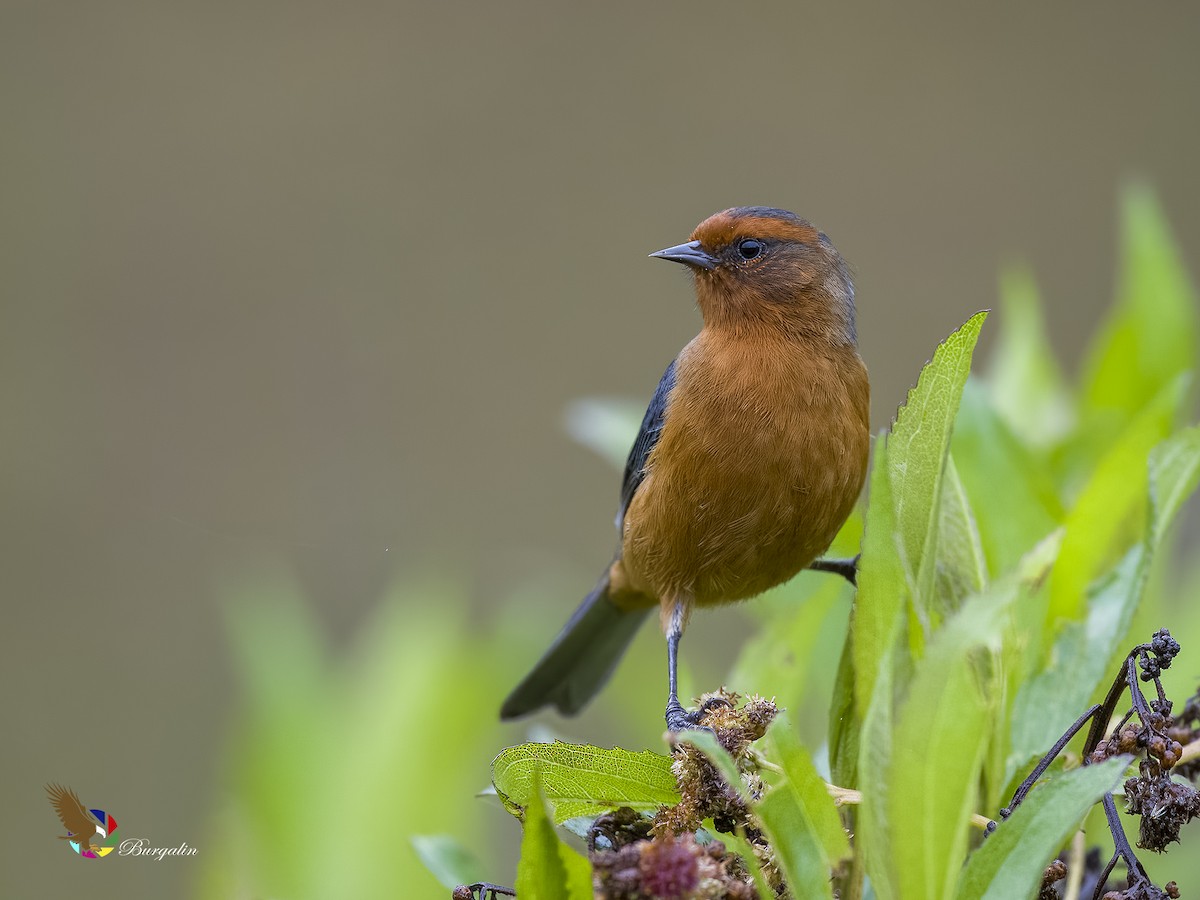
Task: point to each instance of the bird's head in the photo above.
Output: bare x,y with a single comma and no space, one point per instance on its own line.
759,267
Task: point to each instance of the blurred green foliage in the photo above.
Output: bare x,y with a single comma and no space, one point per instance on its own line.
1017,531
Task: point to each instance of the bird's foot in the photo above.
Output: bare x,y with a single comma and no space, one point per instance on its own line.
680,719
847,568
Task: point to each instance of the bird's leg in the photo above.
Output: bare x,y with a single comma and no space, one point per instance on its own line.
678,718
847,568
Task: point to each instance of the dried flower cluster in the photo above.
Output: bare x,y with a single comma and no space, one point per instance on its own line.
635,858
1162,803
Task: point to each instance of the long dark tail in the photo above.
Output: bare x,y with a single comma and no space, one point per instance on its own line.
580,660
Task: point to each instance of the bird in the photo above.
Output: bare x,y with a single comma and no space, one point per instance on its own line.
750,457
81,825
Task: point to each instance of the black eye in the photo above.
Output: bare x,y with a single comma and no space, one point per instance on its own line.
750,248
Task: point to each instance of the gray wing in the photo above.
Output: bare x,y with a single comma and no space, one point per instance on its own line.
648,434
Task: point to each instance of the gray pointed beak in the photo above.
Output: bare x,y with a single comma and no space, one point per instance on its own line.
690,254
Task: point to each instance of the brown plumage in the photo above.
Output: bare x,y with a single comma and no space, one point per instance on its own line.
80,824
752,454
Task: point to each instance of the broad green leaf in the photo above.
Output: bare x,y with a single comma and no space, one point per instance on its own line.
450,862
811,791
581,780
872,846
882,595
844,723
797,848
548,868
903,513
941,734
916,458
1013,496
896,577
1110,513
1024,380
1150,336
961,568
1012,859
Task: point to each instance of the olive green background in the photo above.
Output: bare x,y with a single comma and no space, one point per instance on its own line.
310,286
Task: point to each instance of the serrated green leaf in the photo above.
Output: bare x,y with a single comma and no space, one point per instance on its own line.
1011,861
961,568
1149,338
581,780
896,579
548,868
917,449
1024,380
447,859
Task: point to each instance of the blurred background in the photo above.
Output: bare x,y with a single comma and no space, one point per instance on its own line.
295,298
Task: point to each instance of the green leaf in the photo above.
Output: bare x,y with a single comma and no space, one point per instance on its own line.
1025,382
938,749
450,862
1110,513
1174,475
873,834
548,868
1012,859
798,852
1150,336
581,780
844,720
961,568
916,458
882,588
896,576
1085,653
809,790
1015,501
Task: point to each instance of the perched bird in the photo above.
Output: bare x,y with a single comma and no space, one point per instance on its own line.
750,457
